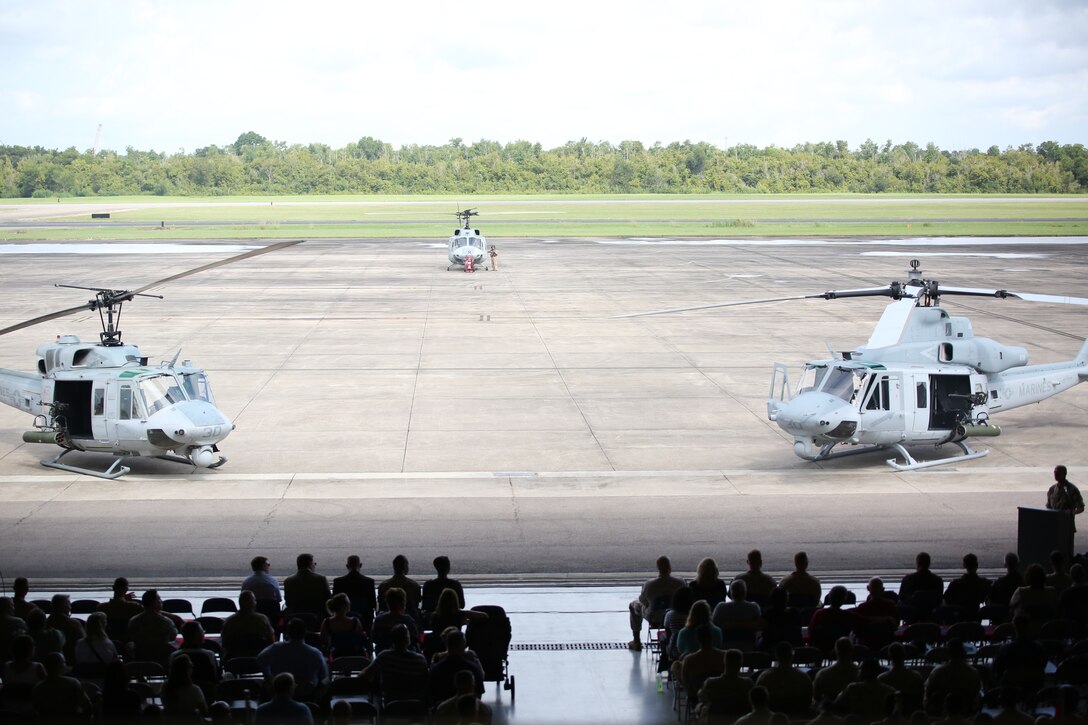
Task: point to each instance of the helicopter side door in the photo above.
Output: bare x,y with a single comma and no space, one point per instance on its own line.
124,414
949,400
881,409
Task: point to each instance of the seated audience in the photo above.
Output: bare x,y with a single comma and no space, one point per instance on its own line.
341,633
401,673
954,676
181,697
727,694
830,623
706,661
920,592
907,682
265,588
384,623
96,649
413,592
457,658
969,591
867,698
759,712
308,667
789,689
781,622
152,633
20,589
707,585
758,584
1058,578
445,712
119,609
306,591
432,588
10,627
20,674
59,697
283,709
204,668
739,619
448,613
1035,599
1004,586
247,631
360,590
804,589
653,592
675,619
60,619
833,679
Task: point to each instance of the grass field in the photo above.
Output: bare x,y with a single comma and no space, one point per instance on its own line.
546,216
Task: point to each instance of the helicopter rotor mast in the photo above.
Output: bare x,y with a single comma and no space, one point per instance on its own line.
108,303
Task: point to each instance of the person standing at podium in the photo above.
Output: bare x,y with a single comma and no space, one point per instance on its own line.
1064,496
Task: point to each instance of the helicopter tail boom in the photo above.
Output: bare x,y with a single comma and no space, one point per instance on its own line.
21,390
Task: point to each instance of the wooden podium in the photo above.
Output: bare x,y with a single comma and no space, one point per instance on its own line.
1041,531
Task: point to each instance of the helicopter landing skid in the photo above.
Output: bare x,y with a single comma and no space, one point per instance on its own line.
116,470
914,465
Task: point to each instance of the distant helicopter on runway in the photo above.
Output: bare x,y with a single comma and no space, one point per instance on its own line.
923,378
106,397
466,245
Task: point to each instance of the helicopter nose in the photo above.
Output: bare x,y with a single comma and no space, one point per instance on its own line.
818,414
191,423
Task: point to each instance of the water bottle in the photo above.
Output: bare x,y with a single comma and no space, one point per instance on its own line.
660,683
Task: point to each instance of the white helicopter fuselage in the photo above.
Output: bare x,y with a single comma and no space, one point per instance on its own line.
923,378
465,244
107,399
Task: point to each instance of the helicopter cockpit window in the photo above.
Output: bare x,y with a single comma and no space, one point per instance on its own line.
811,377
129,404
161,391
879,394
196,385
840,383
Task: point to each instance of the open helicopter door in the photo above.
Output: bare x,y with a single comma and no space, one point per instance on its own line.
950,398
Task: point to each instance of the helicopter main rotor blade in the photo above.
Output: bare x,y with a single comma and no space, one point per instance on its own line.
1004,294
125,295
47,318
220,263
714,306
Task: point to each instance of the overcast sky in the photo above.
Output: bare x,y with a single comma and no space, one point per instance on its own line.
175,75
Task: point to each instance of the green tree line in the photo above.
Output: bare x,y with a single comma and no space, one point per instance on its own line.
256,165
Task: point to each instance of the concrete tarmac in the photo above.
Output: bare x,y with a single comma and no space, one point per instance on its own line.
507,418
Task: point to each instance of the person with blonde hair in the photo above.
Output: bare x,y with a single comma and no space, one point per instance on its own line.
448,613
707,584
341,633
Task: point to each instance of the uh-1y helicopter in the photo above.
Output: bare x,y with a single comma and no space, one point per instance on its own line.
467,246
923,378
106,397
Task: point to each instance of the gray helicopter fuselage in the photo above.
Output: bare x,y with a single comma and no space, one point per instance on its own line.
466,243
108,399
922,378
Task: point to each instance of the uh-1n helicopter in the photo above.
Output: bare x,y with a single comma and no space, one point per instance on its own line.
466,246
106,397
923,378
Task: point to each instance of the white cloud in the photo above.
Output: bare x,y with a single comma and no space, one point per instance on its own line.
165,75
